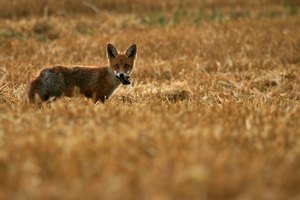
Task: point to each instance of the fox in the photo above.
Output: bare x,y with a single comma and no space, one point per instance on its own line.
97,83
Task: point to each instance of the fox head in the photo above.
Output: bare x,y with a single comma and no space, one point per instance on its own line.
122,63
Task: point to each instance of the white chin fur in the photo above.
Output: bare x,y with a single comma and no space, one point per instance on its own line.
118,73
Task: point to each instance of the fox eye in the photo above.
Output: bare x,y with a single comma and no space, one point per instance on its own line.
127,66
116,66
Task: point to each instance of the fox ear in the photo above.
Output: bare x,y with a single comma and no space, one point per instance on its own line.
131,51
112,52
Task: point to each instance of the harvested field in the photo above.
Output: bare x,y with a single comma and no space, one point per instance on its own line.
213,111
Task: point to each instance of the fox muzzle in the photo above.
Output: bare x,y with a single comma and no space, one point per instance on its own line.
124,78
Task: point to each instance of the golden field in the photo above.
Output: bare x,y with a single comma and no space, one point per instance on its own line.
213,111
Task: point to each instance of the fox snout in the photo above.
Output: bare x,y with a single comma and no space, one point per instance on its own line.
124,78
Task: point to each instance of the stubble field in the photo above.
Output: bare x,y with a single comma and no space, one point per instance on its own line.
213,111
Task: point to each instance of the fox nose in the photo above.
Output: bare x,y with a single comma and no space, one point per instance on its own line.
122,75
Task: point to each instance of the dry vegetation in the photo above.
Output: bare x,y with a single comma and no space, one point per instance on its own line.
213,112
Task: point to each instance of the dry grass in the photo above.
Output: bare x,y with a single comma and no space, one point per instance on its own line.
213,112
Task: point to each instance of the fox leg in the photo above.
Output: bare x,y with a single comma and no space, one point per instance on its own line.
32,91
99,99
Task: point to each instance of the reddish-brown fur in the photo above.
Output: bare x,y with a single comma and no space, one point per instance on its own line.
93,82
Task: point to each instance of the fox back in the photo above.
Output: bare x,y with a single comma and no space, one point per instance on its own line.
97,82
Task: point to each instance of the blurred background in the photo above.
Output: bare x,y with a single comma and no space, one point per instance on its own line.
168,10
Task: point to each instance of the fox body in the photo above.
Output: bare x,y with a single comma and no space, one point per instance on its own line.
98,83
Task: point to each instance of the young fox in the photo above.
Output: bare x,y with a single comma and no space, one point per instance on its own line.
98,83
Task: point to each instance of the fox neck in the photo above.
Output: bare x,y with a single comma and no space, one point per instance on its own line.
116,81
